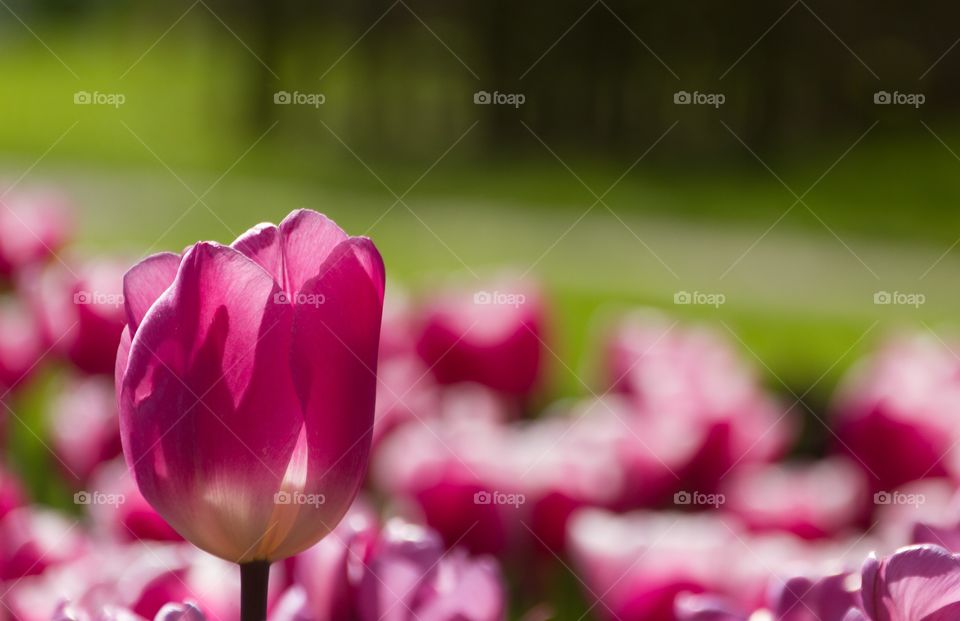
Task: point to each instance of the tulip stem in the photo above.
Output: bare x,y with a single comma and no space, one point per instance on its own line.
254,577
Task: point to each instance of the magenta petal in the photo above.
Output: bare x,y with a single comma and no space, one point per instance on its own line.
308,238
334,365
209,417
145,282
917,582
262,245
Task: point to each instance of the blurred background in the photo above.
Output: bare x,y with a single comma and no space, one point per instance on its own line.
785,172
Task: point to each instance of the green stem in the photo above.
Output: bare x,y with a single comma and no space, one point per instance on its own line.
254,577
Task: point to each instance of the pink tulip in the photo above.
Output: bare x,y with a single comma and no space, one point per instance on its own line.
814,500
898,410
82,310
284,321
11,492
634,566
131,518
32,540
695,377
917,583
33,227
89,404
405,392
327,573
492,337
408,578
830,598
22,344
901,514
446,470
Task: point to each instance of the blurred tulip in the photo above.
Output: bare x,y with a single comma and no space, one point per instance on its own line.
31,540
326,574
699,607
88,404
695,376
22,344
635,565
82,310
829,598
919,583
820,499
447,470
284,321
131,518
897,411
405,391
33,227
11,492
901,512
491,337
408,577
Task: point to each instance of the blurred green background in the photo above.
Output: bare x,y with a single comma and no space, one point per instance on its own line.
797,199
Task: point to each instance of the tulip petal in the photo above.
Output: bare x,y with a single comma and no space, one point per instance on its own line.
262,245
209,417
308,239
916,582
334,362
145,282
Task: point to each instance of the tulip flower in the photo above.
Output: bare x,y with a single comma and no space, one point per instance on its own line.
919,583
22,344
89,404
696,377
33,227
897,411
408,577
492,337
32,540
246,380
130,517
814,500
83,311
635,565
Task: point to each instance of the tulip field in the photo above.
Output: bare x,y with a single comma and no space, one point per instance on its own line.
273,428
478,312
